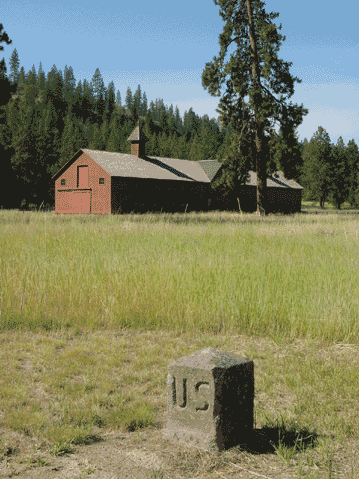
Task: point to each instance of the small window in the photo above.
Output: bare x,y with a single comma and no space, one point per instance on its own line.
102,181
63,182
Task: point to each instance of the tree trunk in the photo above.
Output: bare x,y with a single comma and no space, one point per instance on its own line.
261,166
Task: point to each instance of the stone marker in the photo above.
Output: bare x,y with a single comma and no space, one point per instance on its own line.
210,399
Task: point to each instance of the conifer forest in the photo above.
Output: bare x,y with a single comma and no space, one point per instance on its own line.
46,118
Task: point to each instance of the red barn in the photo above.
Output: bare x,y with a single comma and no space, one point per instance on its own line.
104,182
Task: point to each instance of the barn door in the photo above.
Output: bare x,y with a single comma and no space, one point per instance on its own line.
83,176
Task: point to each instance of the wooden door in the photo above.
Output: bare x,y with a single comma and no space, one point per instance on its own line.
83,176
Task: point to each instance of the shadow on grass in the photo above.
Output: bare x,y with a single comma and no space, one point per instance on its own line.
269,440
272,439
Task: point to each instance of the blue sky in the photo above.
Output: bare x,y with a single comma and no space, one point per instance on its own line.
164,45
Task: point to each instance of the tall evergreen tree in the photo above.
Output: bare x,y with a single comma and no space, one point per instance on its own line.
152,145
180,149
104,134
352,154
69,86
88,102
21,81
6,92
110,101
136,105
171,120
163,119
339,174
118,98
41,81
113,142
99,92
254,71
178,121
196,150
129,100
144,106
152,111
14,66
191,124
68,140
317,164
208,141
96,141
54,91
98,85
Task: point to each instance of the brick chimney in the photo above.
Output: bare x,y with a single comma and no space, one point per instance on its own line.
138,142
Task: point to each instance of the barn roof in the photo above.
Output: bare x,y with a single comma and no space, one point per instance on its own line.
276,180
126,165
122,164
194,169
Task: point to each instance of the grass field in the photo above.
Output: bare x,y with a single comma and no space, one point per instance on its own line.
94,308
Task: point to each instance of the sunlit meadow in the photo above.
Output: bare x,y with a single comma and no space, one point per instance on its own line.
94,308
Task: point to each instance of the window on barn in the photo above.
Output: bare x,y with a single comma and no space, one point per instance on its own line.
63,182
102,181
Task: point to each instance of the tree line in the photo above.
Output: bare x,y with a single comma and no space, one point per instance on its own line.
49,118
46,119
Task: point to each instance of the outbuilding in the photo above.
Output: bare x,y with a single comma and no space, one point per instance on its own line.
103,182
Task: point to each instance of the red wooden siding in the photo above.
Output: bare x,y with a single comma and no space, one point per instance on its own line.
77,201
82,191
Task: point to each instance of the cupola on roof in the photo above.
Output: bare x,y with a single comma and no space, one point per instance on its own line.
138,142
137,134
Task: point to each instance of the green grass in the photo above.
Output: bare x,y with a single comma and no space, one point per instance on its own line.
279,275
69,285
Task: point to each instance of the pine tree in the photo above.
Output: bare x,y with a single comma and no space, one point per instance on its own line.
113,142
317,163
339,174
88,102
196,150
144,106
118,98
253,71
7,193
352,154
98,85
136,105
110,101
178,121
41,81
152,148
171,120
180,149
69,86
104,134
53,90
163,119
96,142
14,66
129,100
208,141
165,145
151,111
191,124
21,81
